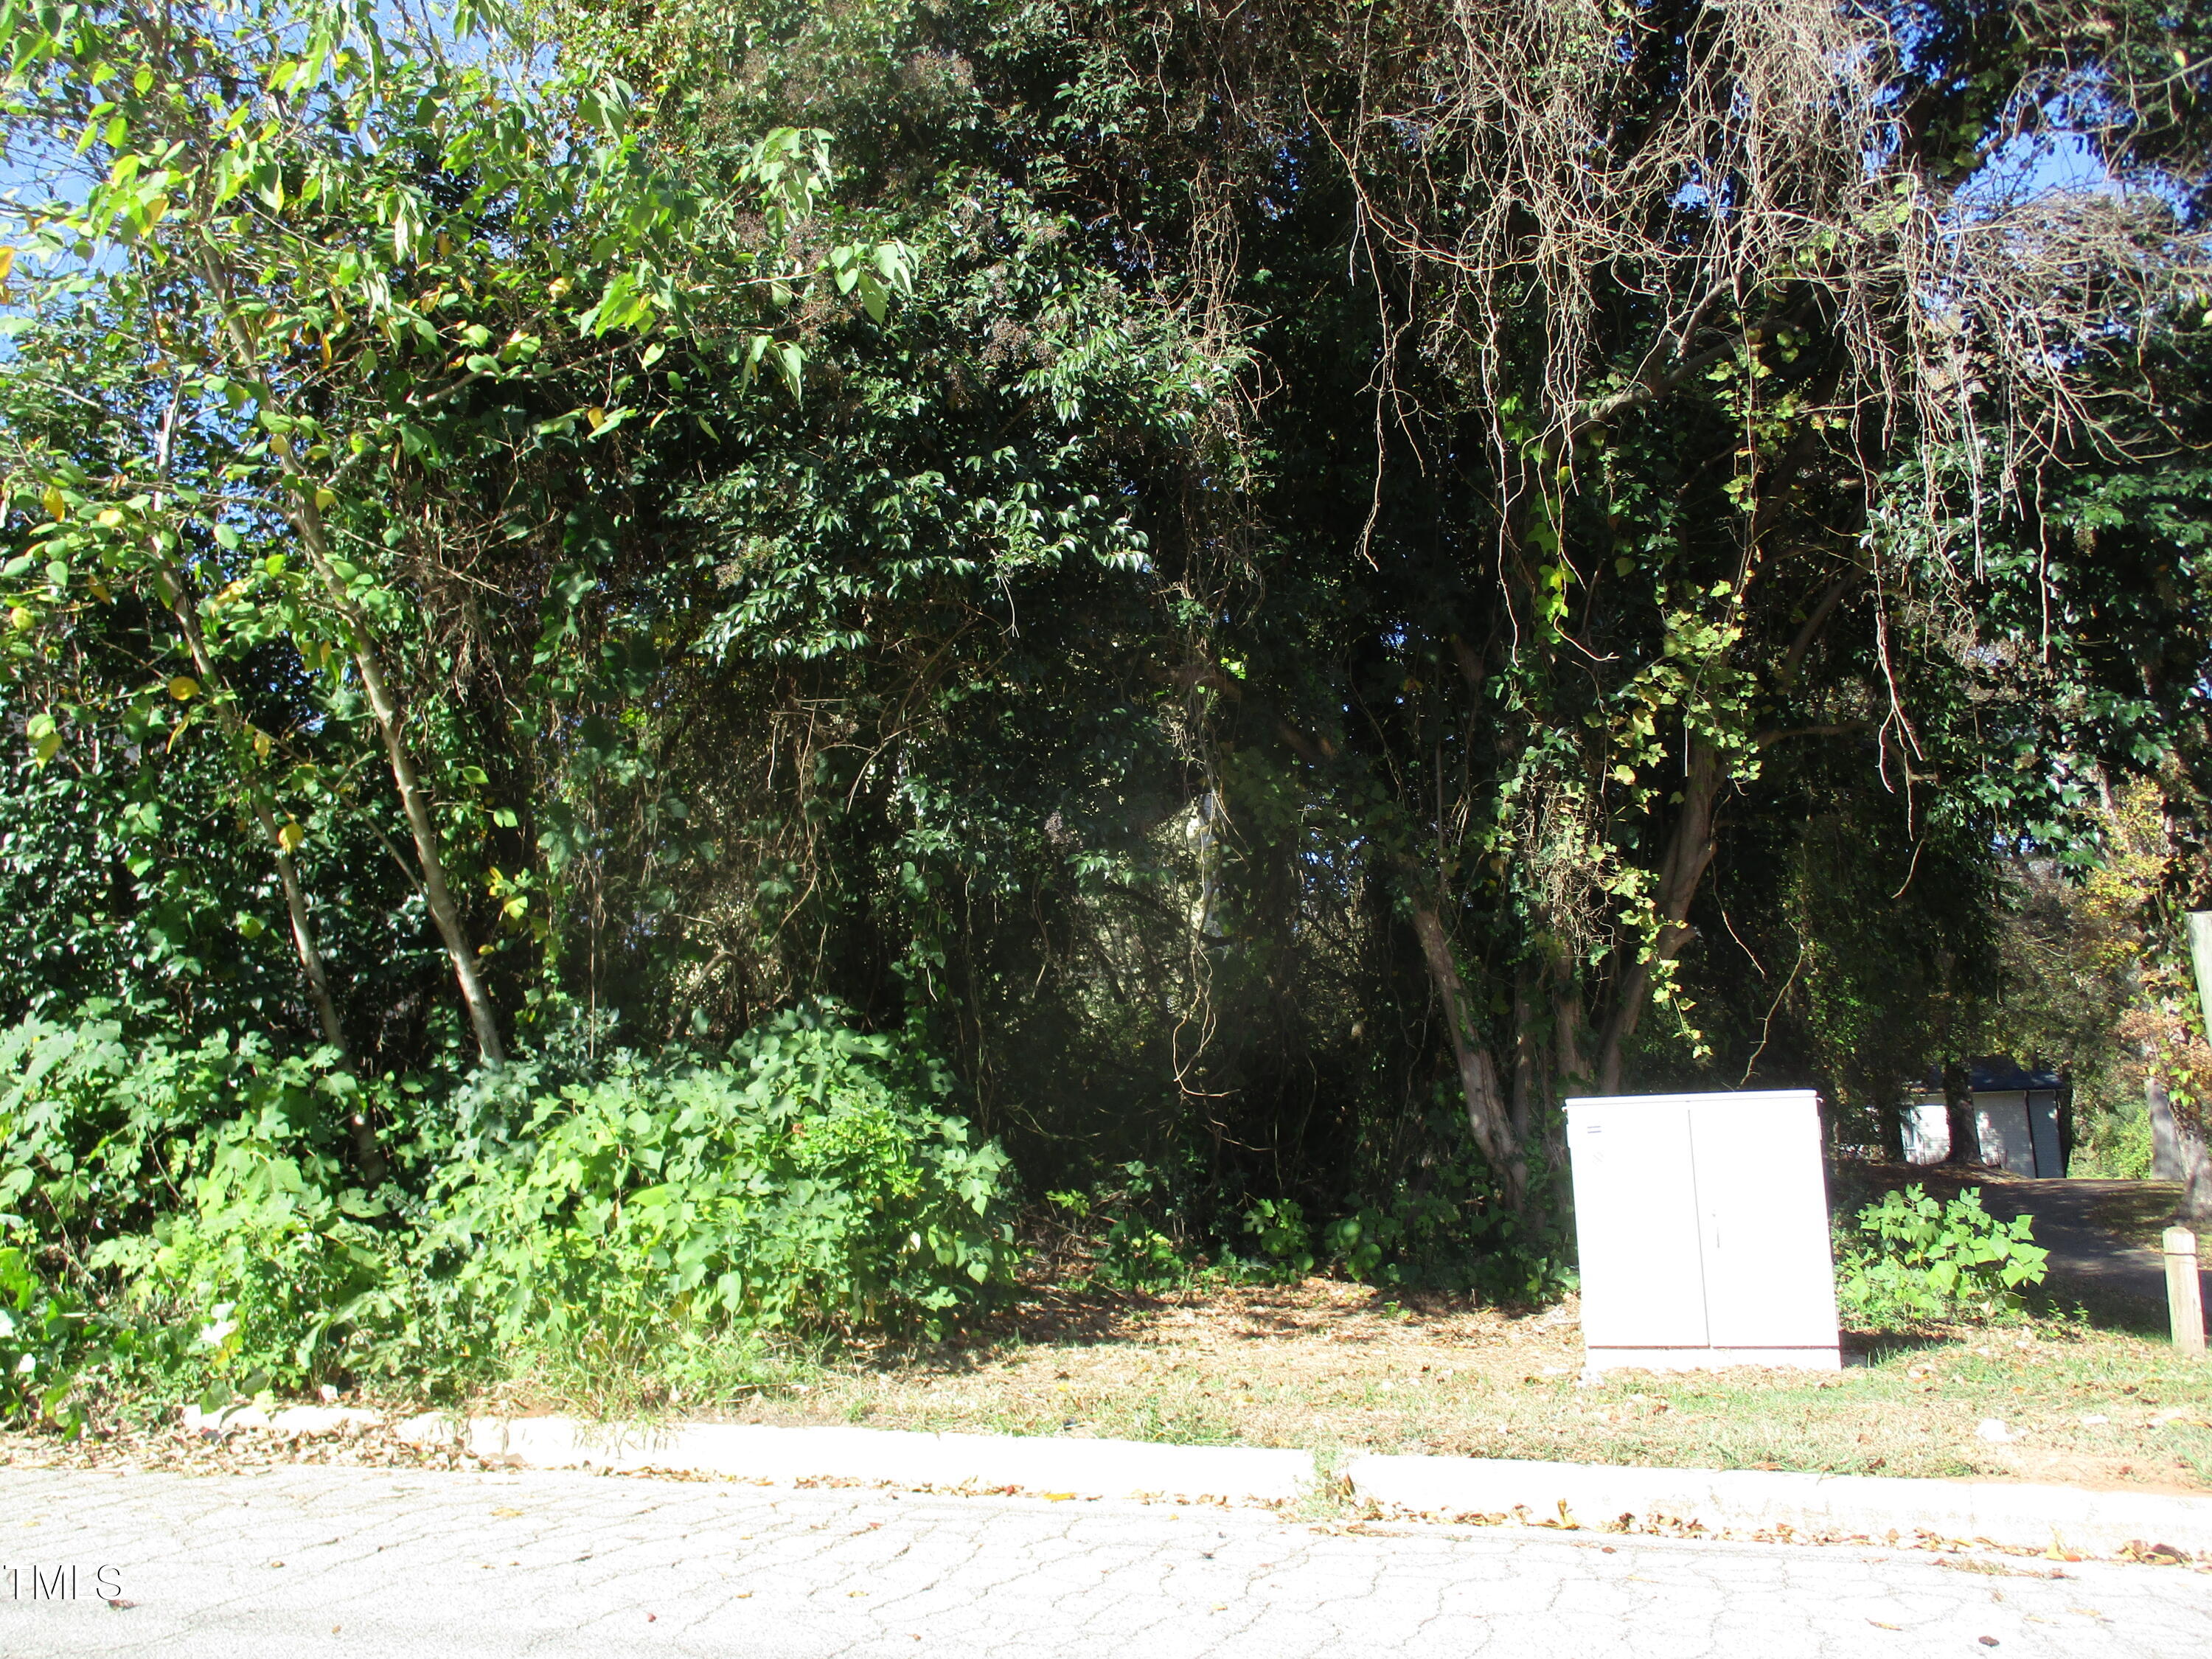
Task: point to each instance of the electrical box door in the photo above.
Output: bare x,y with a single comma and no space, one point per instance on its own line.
1770,1280
1634,1286
1703,1221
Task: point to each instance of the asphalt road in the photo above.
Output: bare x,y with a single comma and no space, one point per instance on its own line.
384,1564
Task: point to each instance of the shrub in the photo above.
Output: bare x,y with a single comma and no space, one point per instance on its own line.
198,1196
1453,1234
41,1329
2114,1142
1277,1226
1124,1226
284,1269
101,1134
809,1181
1911,1256
182,1179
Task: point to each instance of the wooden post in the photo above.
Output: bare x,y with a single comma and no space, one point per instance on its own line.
2184,1292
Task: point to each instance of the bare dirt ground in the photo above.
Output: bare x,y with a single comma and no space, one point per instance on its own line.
1339,1367
1333,1365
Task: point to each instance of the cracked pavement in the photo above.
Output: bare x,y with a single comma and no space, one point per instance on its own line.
374,1561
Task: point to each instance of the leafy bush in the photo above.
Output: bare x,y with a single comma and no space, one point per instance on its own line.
1141,1228
1277,1226
1450,1234
2115,1143
99,1133
200,1183
813,1180
1125,1226
282,1266
1911,1256
40,1331
808,1182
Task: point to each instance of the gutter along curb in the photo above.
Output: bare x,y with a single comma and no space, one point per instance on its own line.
2010,1515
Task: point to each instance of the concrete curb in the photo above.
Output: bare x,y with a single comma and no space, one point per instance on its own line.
1743,1502
1081,1468
2012,1516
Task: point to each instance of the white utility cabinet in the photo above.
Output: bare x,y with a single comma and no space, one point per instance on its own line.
1703,1225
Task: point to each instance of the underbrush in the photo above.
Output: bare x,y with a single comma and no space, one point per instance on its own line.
1136,1229
186,1222
1909,1258
2115,1143
183,1222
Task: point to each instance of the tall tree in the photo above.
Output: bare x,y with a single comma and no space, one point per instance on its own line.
357,255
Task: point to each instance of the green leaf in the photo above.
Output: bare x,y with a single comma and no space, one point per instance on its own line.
789,364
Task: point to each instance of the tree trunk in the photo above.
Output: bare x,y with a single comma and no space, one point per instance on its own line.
1958,1107
2065,1121
1531,1084
2178,1153
307,518
2196,1206
1566,1032
413,798
2166,1163
368,1155
1689,852
1487,1113
1890,1121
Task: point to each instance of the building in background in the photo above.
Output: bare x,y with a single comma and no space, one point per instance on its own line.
2015,1116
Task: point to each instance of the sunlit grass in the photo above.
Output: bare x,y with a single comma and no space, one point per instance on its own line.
1337,1368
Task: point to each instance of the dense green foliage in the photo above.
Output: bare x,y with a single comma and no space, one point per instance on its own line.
1910,1257
812,1179
805,1179
42,1341
1247,638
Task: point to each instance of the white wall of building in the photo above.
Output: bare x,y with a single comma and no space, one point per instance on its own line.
2018,1128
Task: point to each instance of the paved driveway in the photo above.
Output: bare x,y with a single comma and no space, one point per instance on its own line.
355,1562
2086,1261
